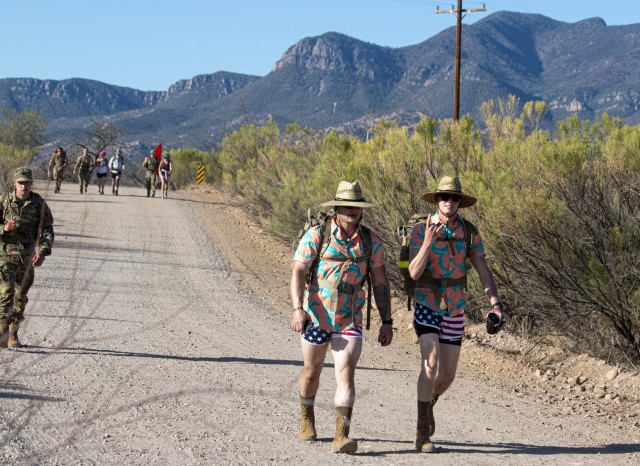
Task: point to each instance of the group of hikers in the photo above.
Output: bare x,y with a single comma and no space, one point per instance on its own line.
328,272
156,170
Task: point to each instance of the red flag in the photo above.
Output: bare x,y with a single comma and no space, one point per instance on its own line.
158,152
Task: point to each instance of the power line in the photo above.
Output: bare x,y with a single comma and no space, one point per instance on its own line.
456,89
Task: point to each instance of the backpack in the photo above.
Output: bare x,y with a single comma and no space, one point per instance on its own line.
323,219
116,163
404,234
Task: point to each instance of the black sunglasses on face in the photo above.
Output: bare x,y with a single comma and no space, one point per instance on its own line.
453,197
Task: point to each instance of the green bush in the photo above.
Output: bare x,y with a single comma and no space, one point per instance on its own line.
559,215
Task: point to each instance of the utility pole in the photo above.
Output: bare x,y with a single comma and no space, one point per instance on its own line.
456,76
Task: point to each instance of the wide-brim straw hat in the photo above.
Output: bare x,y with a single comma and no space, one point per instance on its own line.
348,195
450,185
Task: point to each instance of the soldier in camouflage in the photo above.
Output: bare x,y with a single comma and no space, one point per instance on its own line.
84,169
151,165
27,237
57,164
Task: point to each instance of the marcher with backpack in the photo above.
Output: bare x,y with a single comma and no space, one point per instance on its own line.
166,168
57,164
26,237
116,165
84,170
438,250
333,260
102,170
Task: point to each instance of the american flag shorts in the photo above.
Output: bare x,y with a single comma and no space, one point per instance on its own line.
317,336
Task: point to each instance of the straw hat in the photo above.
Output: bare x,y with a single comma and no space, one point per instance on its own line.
348,195
450,185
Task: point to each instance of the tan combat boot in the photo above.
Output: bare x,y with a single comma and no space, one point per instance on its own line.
13,341
308,420
423,442
342,443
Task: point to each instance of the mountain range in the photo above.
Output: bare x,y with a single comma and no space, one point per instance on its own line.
338,82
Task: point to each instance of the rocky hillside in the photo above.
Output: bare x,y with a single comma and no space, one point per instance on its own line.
335,81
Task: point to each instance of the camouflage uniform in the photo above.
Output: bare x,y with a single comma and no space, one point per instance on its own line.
57,164
84,168
17,248
151,165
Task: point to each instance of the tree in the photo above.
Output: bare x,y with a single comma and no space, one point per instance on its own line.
99,136
23,131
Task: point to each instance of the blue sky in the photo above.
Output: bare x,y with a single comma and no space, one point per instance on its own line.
151,44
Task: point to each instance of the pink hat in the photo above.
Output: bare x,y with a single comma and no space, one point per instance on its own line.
102,153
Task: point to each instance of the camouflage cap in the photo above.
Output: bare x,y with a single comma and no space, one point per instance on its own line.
23,174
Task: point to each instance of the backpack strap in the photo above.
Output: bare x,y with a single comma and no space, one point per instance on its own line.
365,234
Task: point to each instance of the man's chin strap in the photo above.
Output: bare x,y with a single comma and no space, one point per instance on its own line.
444,215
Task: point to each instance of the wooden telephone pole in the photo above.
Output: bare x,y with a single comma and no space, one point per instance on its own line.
456,77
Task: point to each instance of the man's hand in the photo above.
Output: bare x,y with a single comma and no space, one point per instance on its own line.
38,259
298,320
10,225
385,335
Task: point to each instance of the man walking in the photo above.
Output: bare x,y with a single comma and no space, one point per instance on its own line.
84,170
151,164
438,250
116,165
27,237
57,164
333,260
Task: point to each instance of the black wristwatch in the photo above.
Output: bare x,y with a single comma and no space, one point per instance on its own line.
387,322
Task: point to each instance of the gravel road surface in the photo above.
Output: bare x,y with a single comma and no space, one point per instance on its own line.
143,345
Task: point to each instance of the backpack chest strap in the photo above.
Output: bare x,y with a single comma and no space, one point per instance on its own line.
427,280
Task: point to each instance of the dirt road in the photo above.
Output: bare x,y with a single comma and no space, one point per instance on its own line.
145,345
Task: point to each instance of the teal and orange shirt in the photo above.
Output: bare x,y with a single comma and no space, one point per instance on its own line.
329,309
446,259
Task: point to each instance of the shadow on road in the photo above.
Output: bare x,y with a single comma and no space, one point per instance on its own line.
175,357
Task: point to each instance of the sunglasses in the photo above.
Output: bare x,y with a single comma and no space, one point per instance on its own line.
453,197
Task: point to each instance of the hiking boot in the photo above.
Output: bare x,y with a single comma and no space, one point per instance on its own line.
341,442
423,442
13,341
307,421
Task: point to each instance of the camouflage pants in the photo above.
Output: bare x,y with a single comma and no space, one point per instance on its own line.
85,178
150,181
58,175
15,282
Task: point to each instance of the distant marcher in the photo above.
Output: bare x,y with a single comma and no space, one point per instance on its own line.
27,237
102,170
165,175
57,164
151,164
84,170
437,261
116,165
329,312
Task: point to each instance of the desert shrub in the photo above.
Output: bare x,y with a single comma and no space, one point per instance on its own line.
10,159
559,215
